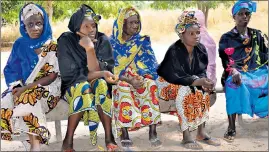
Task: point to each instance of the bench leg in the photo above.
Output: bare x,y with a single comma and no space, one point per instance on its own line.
58,130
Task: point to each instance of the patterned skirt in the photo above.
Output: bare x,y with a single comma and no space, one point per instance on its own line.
27,114
84,97
192,106
135,108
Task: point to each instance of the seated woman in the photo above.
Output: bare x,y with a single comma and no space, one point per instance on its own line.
182,77
82,73
135,95
211,50
32,77
244,55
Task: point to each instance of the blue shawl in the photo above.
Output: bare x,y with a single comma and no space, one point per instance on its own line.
23,58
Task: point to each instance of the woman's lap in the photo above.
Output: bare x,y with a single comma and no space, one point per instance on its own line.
192,107
136,107
251,96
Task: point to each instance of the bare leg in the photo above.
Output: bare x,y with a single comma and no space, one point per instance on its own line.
188,141
231,132
201,133
106,121
125,139
153,136
231,119
73,121
35,145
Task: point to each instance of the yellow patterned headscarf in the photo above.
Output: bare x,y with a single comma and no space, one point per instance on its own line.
131,12
118,24
186,20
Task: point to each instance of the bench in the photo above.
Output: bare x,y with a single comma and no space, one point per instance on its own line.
60,112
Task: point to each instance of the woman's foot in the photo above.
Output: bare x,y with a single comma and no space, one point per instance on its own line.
208,140
111,144
125,140
154,140
67,147
112,147
202,136
230,135
191,144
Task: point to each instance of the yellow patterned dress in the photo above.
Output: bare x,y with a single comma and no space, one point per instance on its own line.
84,97
134,108
26,114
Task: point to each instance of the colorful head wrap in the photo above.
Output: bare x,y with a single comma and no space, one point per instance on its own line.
29,10
186,20
90,13
130,13
248,4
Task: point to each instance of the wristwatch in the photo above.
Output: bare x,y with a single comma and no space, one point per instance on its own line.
105,63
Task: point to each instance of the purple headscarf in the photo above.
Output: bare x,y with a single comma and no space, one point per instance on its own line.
210,45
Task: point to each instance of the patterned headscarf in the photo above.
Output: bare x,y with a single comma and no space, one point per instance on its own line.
130,13
248,4
90,13
186,20
29,10
126,52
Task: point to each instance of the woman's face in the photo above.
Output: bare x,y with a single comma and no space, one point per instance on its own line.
191,36
131,25
34,26
242,17
88,27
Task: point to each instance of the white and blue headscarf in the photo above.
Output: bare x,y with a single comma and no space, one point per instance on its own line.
23,58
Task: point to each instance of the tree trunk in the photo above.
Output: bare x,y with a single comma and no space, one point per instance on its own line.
205,9
49,9
206,15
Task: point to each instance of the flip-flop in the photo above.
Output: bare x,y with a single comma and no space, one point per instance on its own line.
112,147
69,150
210,141
126,141
188,145
153,141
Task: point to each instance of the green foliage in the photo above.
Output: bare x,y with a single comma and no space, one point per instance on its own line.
64,9
7,6
182,4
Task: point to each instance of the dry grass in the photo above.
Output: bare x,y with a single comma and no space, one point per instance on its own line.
159,25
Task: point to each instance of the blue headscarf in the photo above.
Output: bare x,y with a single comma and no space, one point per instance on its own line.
135,50
248,4
23,58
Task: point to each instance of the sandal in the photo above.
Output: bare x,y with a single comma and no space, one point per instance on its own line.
69,150
229,135
155,142
210,141
130,142
192,145
112,147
